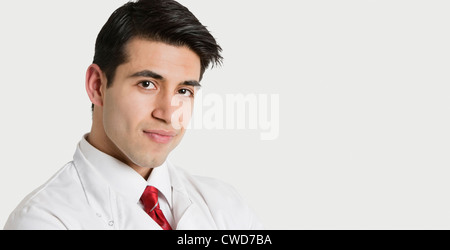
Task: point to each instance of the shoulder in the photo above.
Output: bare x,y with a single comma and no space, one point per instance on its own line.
224,202
42,208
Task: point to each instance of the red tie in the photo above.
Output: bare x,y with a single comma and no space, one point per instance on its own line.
151,206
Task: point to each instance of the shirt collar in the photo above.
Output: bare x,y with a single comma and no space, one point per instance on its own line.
160,179
122,178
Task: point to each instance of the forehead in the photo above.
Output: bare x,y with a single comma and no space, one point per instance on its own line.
169,61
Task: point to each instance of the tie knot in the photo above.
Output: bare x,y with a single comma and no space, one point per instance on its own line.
150,198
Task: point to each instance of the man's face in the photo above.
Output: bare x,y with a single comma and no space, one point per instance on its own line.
155,83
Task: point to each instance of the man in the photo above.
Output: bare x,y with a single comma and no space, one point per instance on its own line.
149,60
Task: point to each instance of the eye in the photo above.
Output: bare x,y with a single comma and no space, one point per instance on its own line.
186,92
147,85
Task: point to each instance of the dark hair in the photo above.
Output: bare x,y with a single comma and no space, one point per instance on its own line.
157,20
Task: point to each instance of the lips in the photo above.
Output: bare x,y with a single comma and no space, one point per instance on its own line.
160,136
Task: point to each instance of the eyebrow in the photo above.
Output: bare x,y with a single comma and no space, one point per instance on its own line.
191,83
147,73
151,74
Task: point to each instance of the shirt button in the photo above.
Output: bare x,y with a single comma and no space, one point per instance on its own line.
99,215
111,223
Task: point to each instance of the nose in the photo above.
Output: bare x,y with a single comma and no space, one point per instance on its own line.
163,108
172,110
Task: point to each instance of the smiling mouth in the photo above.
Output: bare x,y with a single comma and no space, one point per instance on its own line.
160,136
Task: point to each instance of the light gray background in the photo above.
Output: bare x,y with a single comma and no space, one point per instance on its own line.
364,106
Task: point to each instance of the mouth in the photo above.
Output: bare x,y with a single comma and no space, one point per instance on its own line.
160,136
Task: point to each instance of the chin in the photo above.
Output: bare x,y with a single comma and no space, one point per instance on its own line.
150,162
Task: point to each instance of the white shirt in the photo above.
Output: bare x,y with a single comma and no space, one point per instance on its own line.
127,181
97,191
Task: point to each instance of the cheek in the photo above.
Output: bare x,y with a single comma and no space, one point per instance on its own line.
182,113
122,113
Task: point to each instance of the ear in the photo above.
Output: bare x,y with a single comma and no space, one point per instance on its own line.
95,82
